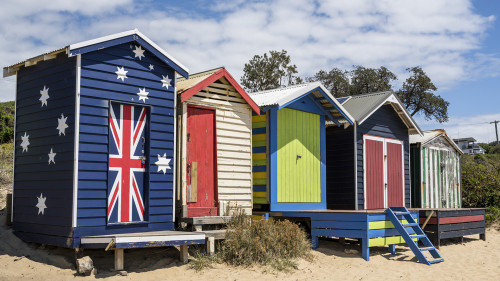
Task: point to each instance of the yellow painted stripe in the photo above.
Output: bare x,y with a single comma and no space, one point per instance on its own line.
258,143
257,125
261,118
260,181
381,241
259,156
259,200
259,137
383,224
260,194
259,175
259,162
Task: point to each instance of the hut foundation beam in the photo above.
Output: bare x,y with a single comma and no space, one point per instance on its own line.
183,249
210,245
118,259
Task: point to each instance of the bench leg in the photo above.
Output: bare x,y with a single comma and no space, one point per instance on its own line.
342,240
183,253
118,259
210,245
392,249
314,242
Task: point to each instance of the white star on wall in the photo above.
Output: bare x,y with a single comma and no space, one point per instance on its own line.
121,73
139,52
151,67
44,95
61,124
41,204
52,156
163,163
143,95
26,142
165,81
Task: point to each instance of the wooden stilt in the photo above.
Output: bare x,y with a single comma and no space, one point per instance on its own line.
210,245
392,249
183,253
118,259
365,249
482,236
342,240
198,227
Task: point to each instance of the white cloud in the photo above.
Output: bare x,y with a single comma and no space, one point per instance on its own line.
477,126
437,35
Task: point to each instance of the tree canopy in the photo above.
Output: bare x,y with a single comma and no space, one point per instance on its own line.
268,72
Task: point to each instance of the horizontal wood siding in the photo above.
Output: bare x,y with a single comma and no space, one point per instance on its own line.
234,144
340,168
416,173
385,123
259,162
33,175
99,86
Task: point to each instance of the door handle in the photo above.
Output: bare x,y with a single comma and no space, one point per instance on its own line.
299,156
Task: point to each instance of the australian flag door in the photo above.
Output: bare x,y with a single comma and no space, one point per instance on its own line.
127,173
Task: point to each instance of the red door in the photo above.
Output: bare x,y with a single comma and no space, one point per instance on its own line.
201,165
394,174
374,174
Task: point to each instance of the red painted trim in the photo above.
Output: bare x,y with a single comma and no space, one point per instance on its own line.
383,137
214,77
453,219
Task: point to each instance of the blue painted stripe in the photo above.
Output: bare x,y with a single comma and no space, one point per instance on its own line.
259,131
260,149
259,188
259,168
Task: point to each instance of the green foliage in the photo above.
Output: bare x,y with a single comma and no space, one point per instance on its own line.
490,148
268,72
7,121
265,242
417,94
481,183
6,158
335,80
485,146
370,80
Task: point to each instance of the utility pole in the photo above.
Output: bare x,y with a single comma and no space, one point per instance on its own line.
496,129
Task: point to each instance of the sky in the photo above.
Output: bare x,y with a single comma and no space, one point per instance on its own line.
456,42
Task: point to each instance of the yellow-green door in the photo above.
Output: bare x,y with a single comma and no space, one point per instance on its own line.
299,157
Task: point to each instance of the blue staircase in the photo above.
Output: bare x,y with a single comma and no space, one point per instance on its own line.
393,213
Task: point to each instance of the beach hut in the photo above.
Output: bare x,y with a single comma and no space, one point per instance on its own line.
368,163
215,151
289,160
94,144
435,171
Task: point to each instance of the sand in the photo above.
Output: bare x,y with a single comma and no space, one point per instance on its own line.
473,260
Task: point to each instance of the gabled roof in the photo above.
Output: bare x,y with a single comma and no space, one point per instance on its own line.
199,81
361,107
430,135
282,97
104,42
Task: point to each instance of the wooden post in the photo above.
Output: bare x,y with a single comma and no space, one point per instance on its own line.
184,255
482,236
342,240
210,245
198,228
392,249
8,209
118,259
438,230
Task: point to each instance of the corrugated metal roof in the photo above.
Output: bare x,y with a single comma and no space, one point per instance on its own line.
281,96
184,84
363,106
429,135
11,70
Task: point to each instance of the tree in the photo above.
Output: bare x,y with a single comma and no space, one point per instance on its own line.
368,80
269,72
418,97
336,81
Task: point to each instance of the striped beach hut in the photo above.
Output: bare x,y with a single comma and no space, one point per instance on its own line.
215,145
289,159
435,171
368,164
94,141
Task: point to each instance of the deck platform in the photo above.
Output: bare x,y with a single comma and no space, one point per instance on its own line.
442,223
198,222
373,227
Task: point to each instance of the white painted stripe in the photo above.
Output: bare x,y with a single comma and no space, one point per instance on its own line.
174,159
76,140
14,155
136,239
124,34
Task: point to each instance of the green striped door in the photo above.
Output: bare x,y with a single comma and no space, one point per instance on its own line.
299,157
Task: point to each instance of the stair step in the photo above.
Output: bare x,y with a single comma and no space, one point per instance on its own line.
427,249
418,236
401,213
410,224
436,260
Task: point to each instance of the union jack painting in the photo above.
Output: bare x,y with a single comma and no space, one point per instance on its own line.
127,163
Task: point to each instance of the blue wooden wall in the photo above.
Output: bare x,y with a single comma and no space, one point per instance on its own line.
340,178
99,85
33,175
386,123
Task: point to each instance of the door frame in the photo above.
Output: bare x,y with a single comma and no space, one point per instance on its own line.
384,149
216,180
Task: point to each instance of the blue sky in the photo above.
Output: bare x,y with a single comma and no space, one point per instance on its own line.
457,42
